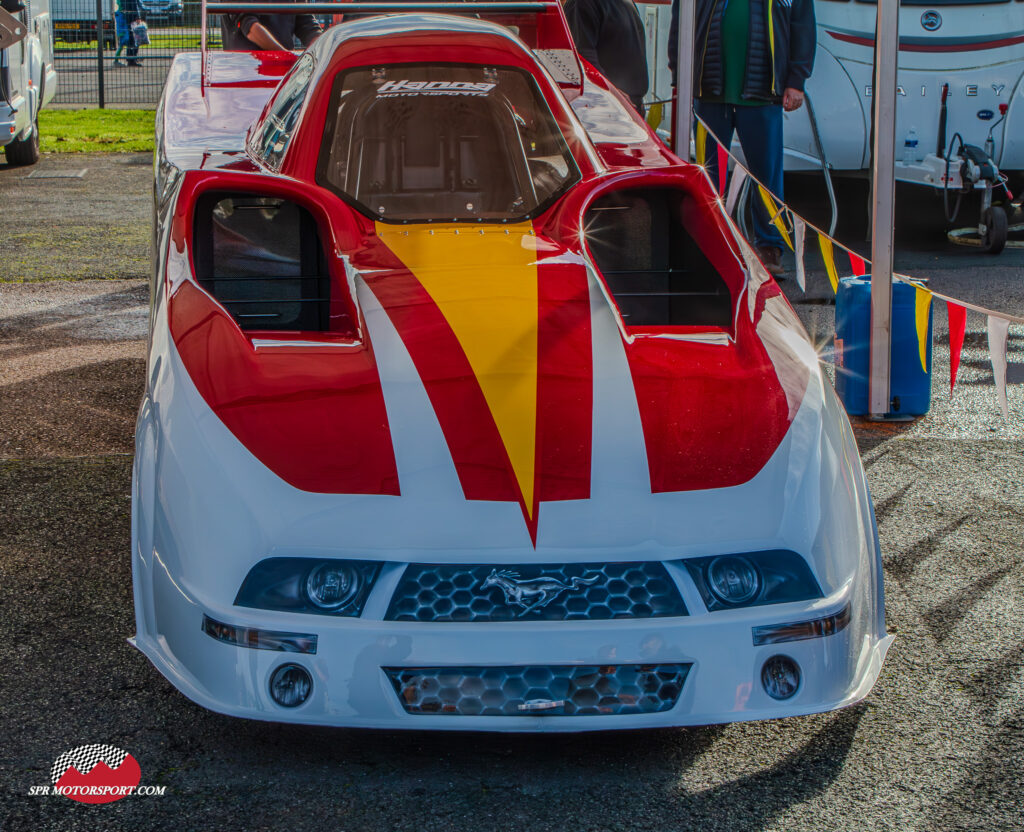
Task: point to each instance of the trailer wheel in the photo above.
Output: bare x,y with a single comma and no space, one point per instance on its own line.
996,229
26,151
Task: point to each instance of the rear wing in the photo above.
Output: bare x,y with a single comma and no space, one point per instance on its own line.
550,30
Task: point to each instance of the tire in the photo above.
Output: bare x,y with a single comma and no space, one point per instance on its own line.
996,229
26,151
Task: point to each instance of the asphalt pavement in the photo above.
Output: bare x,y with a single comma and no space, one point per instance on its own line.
938,744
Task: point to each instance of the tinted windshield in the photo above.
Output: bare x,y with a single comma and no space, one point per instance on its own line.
414,143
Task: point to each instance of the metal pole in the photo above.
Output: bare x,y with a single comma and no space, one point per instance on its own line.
99,52
684,77
883,180
202,47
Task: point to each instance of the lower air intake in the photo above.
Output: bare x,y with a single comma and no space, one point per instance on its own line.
554,690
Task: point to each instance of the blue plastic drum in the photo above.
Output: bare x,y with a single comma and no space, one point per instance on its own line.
910,386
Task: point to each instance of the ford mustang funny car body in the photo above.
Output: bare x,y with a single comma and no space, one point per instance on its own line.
467,407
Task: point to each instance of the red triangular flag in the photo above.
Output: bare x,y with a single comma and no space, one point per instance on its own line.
857,264
723,167
957,325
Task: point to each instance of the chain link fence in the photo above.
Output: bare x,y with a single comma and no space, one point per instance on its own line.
98,64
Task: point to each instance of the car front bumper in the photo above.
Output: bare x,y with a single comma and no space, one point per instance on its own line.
351,687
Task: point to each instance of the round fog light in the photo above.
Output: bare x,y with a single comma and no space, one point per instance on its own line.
332,585
733,580
780,676
290,685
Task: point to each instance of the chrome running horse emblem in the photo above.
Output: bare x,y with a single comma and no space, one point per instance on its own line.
532,594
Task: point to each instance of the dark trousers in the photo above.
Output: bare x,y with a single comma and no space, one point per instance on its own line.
760,133
125,36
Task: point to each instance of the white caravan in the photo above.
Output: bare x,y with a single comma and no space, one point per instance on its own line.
960,96
27,79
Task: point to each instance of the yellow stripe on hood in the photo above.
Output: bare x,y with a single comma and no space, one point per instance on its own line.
484,281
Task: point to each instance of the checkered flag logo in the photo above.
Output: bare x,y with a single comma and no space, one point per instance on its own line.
85,757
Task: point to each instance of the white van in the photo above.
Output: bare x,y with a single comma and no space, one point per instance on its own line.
27,83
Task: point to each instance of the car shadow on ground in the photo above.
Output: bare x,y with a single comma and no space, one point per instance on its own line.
660,759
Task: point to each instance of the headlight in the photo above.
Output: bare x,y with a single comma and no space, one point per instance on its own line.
752,578
330,586
311,585
734,580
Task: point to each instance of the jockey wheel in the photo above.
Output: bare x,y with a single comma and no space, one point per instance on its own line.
976,167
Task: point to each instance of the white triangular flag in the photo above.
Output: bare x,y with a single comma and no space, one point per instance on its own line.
799,229
997,331
739,176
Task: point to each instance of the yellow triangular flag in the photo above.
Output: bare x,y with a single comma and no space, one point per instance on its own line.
922,305
775,214
655,115
701,143
825,244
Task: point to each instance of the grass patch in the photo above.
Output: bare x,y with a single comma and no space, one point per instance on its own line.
96,131
172,42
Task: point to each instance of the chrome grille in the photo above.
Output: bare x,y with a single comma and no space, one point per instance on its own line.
571,592
537,690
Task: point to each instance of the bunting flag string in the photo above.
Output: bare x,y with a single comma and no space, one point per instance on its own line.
957,326
799,233
1010,319
997,322
922,306
703,135
997,331
828,255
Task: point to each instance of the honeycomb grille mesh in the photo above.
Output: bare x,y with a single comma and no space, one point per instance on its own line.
539,690
538,592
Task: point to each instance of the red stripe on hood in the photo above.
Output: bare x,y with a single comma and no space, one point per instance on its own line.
317,420
565,384
712,415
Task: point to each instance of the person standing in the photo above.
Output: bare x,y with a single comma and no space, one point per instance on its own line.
251,32
610,35
751,62
127,14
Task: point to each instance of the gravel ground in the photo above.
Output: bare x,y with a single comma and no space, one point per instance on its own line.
938,745
73,229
